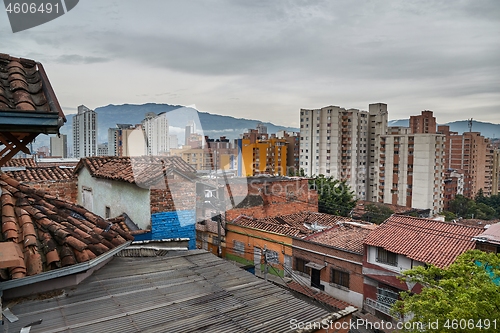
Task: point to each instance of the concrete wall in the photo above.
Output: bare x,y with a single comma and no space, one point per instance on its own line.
120,197
404,263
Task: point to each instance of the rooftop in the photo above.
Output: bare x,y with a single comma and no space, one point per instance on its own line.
38,174
28,105
50,233
491,235
182,292
347,236
296,225
424,240
145,170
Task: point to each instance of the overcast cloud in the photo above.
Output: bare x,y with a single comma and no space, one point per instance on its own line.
268,59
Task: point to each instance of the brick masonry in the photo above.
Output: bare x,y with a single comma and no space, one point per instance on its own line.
272,198
355,271
176,224
180,194
62,189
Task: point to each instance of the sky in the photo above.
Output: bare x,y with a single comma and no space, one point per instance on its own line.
266,60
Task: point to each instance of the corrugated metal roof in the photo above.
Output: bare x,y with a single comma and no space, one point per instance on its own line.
194,291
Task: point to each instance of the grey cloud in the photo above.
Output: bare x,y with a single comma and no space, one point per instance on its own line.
78,59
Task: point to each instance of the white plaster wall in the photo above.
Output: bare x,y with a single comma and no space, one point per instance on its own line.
404,263
121,197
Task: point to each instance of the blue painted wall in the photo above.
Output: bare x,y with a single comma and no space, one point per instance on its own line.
178,224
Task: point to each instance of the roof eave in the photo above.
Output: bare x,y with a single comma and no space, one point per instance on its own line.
60,272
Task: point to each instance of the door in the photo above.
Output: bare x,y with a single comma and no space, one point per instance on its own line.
256,257
87,198
288,266
315,281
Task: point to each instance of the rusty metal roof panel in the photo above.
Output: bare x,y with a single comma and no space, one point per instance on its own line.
183,292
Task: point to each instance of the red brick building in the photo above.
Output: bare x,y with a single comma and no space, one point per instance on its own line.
262,197
332,260
424,123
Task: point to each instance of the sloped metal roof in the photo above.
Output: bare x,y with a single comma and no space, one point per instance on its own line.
185,292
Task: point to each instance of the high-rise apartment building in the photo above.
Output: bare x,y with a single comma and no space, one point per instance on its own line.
424,123
85,132
115,139
341,143
495,183
259,153
471,154
59,146
293,151
411,169
155,128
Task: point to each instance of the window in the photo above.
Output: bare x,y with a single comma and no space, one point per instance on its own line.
238,247
339,278
108,212
300,265
387,257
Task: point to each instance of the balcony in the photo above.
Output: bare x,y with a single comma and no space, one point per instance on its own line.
385,299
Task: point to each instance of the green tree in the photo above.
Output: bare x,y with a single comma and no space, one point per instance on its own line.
376,213
465,295
449,216
334,196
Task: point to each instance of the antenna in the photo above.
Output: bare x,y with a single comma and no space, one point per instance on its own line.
470,124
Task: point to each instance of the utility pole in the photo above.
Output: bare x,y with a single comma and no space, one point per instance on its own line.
265,262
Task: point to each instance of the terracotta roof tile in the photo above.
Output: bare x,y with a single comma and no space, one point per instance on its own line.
22,83
50,232
145,170
21,162
297,225
424,240
37,174
249,222
348,236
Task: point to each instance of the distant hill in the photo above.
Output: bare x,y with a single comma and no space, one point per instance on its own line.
488,130
213,125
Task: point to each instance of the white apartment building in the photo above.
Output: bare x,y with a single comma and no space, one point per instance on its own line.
59,146
411,169
340,143
84,132
155,129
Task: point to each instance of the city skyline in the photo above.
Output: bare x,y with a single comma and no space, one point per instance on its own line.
267,61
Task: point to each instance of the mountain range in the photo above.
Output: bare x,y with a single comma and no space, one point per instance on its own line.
488,130
213,125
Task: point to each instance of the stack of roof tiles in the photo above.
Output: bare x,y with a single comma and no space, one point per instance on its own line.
428,241
296,225
145,170
50,232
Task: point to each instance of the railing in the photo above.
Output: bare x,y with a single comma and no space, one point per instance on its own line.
379,306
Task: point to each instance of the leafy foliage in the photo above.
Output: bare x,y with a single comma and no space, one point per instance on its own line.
376,213
484,208
467,290
334,196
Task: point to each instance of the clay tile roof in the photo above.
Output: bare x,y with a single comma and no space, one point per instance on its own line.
21,162
249,222
24,86
145,169
305,221
38,174
424,240
50,232
347,236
